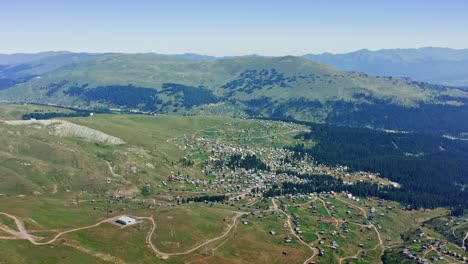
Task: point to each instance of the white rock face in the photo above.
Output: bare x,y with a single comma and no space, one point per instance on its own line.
66,129
32,122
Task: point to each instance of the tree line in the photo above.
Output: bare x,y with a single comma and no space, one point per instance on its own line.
206,198
49,115
248,162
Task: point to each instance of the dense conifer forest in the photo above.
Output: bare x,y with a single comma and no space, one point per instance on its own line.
432,170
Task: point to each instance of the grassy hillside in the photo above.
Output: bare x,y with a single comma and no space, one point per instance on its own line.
34,161
283,87
16,112
301,77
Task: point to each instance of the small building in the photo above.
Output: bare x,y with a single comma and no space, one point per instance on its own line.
125,220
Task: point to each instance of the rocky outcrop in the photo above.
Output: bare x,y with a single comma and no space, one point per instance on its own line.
67,129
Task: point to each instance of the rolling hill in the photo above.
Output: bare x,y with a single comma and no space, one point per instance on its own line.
281,88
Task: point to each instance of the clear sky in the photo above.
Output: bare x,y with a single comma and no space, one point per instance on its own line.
231,27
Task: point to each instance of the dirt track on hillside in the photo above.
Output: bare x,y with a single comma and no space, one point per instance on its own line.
22,233
291,229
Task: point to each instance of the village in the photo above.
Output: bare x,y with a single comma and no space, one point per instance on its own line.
214,155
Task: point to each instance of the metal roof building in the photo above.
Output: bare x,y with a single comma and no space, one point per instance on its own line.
125,220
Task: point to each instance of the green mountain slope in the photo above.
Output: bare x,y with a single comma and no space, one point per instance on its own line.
282,87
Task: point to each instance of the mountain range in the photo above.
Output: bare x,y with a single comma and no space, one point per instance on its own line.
429,64
287,88
435,65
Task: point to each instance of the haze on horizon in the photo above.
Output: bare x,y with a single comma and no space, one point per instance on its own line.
228,29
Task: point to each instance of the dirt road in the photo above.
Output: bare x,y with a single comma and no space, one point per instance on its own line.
381,243
350,257
291,229
464,239
22,233
166,255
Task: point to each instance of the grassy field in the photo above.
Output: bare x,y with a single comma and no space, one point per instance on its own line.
20,251
33,162
15,112
151,132
51,212
251,243
184,227
4,220
453,228
125,245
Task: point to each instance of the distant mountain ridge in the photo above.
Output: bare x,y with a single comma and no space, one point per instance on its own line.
435,65
18,58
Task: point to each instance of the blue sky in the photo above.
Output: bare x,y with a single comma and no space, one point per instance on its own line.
234,27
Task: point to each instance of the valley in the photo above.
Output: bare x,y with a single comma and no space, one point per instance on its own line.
202,187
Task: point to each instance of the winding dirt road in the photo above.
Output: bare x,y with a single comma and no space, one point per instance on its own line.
22,233
111,170
381,243
464,239
324,205
350,257
166,255
453,230
275,206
